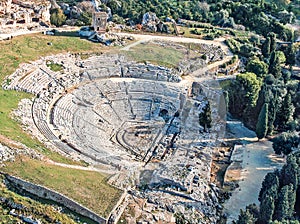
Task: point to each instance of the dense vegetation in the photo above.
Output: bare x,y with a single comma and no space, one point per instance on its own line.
260,16
267,89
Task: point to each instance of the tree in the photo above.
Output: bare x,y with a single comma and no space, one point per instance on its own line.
266,47
290,55
281,56
205,117
286,75
258,67
272,99
57,17
245,217
262,123
289,172
268,196
272,41
85,19
286,142
270,185
274,65
251,86
244,92
266,211
285,203
285,112
281,3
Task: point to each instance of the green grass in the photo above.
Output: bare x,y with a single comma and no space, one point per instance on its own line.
159,55
86,187
54,67
225,84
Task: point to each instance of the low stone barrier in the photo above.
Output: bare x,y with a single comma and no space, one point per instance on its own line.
46,193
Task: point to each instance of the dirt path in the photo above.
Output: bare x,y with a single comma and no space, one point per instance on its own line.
258,159
196,75
77,167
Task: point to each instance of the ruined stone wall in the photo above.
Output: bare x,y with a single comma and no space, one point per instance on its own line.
23,14
5,6
49,194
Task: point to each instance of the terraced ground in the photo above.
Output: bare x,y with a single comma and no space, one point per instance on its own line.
89,187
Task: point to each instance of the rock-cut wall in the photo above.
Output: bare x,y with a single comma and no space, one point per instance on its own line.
49,194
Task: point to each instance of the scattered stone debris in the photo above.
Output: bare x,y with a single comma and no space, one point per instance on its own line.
110,39
15,149
18,14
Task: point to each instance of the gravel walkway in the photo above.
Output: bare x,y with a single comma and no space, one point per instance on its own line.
258,160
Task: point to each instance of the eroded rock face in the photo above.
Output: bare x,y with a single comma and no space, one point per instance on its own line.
150,22
5,6
24,14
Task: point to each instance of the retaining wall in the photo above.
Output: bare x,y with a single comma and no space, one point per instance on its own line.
47,193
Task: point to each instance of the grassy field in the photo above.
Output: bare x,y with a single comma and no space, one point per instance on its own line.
86,187
156,54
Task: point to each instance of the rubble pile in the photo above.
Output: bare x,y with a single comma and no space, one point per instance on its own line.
150,22
10,153
110,39
23,14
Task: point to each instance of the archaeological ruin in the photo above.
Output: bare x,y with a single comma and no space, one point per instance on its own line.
23,14
140,120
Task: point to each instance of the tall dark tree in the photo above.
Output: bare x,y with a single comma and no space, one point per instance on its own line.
266,47
270,185
285,203
205,117
262,123
245,217
289,172
274,65
272,41
290,55
285,112
271,98
267,207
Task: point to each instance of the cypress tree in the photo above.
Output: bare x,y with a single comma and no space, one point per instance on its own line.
205,117
266,47
286,111
285,204
245,217
272,41
290,55
270,185
289,172
262,123
266,210
274,65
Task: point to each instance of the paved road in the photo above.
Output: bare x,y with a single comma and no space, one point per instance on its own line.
5,36
258,160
